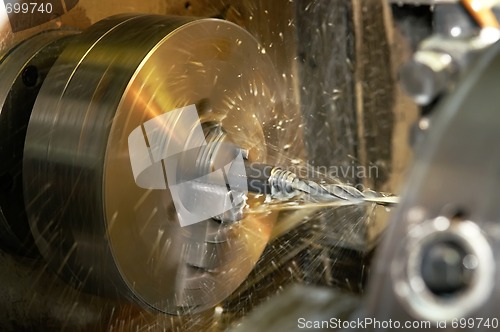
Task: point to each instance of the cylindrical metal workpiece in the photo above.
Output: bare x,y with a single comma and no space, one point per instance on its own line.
92,219
22,70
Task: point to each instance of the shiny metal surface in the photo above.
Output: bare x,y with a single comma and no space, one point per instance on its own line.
451,193
90,220
428,75
283,185
314,252
440,61
23,70
458,288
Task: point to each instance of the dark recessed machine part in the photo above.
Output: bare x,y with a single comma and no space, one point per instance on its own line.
90,220
23,71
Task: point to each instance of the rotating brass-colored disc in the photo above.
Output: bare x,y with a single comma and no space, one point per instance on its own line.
90,219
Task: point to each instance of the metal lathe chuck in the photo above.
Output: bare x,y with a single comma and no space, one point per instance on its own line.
69,103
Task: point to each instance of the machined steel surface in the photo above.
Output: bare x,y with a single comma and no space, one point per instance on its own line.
314,252
440,60
90,220
23,69
451,194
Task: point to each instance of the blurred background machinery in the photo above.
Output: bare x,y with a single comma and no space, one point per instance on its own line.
436,266
323,81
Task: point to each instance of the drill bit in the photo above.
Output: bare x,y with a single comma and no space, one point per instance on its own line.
267,179
284,184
